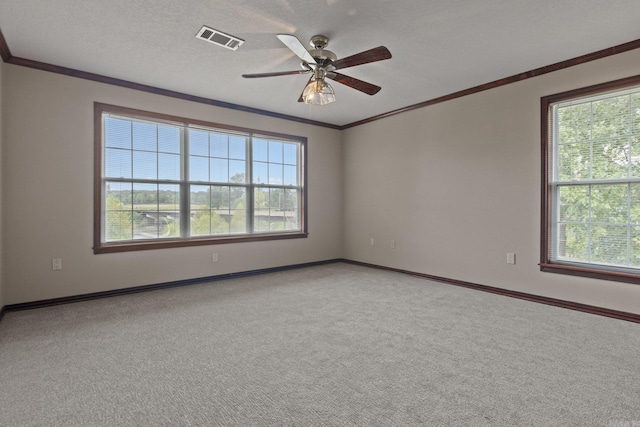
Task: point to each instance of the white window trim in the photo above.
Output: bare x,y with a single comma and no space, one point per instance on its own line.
100,246
549,263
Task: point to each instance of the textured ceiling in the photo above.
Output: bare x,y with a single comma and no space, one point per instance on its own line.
439,46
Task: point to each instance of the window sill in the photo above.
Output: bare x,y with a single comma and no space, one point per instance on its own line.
105,248
593,273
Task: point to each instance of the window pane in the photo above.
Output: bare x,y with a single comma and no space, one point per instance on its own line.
276,221
220,222
290,175
117,133
275,174
237,171
573,242
237,196
611,158
634,247
212,215
610,118
169,165
609,204
276,197
145,165
260,174
574,123
169,139
219,170
276,213
145,196
169,210
291,211
609,244
291,154
117,163
238,220
634,156
275,152
574,203
145,211
198,168
220,197
228,212
634,204
261,199
261,210
120,192
635,113
200,222
237,147
117,224
200,197
276,209
219,145
260,150
574,162
145,136
200,210
198,143
169,197
118,213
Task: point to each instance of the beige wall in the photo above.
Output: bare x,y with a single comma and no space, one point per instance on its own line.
48,193
457,185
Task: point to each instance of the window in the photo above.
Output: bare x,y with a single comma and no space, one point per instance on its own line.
164,181
591,184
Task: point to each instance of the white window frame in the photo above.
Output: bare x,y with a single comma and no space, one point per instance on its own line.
550,258
185,238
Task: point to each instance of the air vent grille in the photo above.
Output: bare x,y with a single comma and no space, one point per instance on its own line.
218,37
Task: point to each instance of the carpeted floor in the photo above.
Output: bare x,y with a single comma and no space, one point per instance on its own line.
333,345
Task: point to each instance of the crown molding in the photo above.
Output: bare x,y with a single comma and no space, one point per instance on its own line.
5,54
635,44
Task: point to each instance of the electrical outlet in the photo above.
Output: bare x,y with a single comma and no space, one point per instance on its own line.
214,257
393,244
372,242
56,264
511,258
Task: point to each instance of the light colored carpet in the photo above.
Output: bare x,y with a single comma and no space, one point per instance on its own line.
333,345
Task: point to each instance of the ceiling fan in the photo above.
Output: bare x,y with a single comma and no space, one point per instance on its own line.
323,64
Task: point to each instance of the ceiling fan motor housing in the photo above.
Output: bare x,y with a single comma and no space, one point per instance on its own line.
319,41
322,56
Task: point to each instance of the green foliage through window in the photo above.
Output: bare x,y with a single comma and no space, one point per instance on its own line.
595,180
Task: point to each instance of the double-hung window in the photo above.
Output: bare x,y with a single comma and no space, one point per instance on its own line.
591,184
166,181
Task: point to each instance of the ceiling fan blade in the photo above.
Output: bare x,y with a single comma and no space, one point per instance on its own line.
277,73
296,47
365,87
372,55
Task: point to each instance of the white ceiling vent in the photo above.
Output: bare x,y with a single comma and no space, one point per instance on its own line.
219,38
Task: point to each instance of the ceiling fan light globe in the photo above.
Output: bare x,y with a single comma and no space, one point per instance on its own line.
318,92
